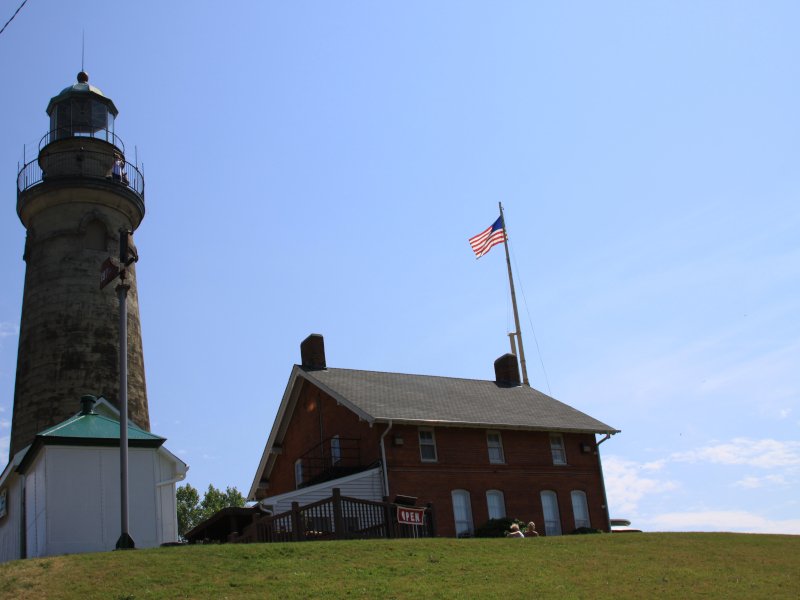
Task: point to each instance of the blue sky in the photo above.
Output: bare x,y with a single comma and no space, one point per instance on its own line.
319,166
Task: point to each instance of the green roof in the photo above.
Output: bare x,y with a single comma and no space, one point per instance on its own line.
88,430
92,427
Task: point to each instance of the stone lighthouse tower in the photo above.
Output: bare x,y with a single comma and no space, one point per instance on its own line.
73,200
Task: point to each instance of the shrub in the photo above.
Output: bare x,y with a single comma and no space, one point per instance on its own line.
580,530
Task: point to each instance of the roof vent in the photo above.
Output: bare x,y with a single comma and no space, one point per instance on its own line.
506,370
87,404
312,352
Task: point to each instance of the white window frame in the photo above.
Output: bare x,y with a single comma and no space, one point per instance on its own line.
463,522
428,443
552,516
580,509
336,450
557,449
497,446
500,502
298,472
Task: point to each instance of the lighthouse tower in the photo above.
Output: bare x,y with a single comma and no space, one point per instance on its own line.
73,200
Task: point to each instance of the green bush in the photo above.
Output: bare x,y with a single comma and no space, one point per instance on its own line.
580,530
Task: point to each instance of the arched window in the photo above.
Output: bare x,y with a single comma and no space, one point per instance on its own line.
580,509
496,504
462,513
552,519
95,236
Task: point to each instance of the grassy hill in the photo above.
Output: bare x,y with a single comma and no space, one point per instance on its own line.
663,565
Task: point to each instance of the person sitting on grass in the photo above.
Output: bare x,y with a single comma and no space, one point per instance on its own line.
530,530
515,532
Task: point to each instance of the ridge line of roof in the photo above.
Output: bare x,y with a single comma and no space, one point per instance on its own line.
307,370
59,426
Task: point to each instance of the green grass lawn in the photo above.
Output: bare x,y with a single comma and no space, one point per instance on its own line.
647,565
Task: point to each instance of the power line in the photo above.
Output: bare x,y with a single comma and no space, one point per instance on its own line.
12,16
530,321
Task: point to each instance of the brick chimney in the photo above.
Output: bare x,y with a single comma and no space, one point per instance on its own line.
506,371
312,352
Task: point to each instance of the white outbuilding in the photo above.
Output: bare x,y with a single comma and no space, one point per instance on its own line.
61,494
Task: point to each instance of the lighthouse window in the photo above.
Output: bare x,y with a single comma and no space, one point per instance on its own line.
62,124
95,236
99,116
80,116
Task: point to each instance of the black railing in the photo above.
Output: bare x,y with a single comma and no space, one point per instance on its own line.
76,164
63,133
330,459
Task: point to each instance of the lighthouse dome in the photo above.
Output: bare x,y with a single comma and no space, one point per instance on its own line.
82,89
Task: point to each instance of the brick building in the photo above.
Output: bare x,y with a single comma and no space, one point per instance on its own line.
473,449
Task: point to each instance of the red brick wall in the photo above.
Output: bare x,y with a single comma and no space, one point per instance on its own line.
463,463
317,417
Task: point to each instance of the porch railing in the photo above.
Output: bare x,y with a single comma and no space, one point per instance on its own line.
335,518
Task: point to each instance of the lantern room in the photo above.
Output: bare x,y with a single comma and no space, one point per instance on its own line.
81,110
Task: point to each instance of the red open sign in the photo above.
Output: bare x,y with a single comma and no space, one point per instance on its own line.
410,516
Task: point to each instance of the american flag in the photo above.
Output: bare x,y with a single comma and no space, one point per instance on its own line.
485,240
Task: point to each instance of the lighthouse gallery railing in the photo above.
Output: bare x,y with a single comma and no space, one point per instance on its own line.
72,164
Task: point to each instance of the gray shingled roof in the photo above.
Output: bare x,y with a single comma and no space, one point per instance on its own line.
430,399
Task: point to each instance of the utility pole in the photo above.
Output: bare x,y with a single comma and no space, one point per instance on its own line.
127,256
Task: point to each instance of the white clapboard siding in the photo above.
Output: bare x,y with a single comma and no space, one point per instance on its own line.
367,485
71,496
11,521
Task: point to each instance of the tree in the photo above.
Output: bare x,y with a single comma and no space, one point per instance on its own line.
188,508
215,500
192,511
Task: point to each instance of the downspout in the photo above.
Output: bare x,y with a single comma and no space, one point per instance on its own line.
23,529
383,461
603,480
160,484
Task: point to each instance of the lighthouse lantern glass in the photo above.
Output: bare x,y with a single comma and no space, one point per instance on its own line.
81,117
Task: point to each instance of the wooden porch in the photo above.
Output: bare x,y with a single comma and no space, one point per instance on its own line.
335,518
